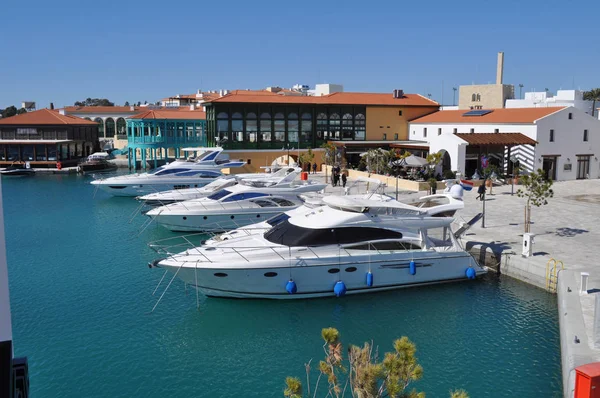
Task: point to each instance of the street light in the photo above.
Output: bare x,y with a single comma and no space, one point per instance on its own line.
520,91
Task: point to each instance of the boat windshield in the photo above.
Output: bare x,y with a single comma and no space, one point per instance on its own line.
219,194
156,170
288,234
277,219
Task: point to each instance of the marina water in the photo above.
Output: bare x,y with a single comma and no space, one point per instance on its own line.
81,296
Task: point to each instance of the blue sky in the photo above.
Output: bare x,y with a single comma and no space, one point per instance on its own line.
66,51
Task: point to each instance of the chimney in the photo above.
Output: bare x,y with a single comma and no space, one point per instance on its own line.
500,68
61,111
131,108
395,94
51,105
192,107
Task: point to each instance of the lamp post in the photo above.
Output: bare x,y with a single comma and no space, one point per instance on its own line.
520,91
454,96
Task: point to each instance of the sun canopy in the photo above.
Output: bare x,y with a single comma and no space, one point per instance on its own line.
410,161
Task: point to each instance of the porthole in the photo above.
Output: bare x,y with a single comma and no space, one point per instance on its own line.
185,218
270,274
333,270
220,275
205,217
210,249
232,217
258,216
350,269
195,185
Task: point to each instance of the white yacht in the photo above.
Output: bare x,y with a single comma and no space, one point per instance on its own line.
180,195
235,206
348,246
180,174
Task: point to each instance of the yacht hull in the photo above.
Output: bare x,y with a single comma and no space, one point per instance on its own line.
140,188
214,222
319,276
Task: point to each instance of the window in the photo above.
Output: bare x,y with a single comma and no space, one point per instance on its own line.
394,245
570,116
279,127
347,127
251,127
551,135
455,131
222,125
40,152
424,132
473,97
306,128
472,131
359,127
237,127
283,202
478,98
585,135
334,126
219,194
264,203
242,196
322,132
265,127
289,234
293,124
384,136
396,137
277,219
399,113
439,131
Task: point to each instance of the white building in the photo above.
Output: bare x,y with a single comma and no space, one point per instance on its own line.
539,99
564,141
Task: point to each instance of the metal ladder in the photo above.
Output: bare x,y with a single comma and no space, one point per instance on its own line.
552,268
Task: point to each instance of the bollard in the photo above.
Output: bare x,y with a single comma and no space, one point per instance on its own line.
584,283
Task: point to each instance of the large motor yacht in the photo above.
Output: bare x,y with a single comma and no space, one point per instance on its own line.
235,206
348,246
180,195
180,174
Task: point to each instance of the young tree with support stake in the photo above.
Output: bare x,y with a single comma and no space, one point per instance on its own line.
536,189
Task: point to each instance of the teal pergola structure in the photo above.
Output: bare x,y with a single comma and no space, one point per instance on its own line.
155,136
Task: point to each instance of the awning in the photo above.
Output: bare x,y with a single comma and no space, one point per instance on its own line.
505,139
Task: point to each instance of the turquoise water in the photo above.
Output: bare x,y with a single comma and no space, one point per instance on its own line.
81,297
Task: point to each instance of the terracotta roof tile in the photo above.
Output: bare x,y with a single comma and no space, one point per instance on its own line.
496,138
171,114
343,98
497,116
100,109
44,117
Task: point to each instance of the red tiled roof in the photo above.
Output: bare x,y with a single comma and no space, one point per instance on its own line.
501,115
342,98
44,117
496,138
100,109
171,114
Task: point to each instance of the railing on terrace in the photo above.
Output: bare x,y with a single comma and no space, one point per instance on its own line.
161,139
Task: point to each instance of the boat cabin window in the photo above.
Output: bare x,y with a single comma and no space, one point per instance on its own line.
219,194
244,195
283,202
264,203
289,234
161,168
433,202
385,245
169,171
208,155
277,219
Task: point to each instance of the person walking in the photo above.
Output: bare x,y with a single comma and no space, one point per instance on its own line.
481,192
314,167
344,179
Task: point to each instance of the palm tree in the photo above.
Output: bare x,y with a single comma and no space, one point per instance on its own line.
592,95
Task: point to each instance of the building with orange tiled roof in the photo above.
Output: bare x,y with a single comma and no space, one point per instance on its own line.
563,141
45,137
259,124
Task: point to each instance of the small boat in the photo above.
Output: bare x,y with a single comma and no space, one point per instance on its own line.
97,162
18,170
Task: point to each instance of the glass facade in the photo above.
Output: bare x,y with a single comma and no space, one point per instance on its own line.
264,126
